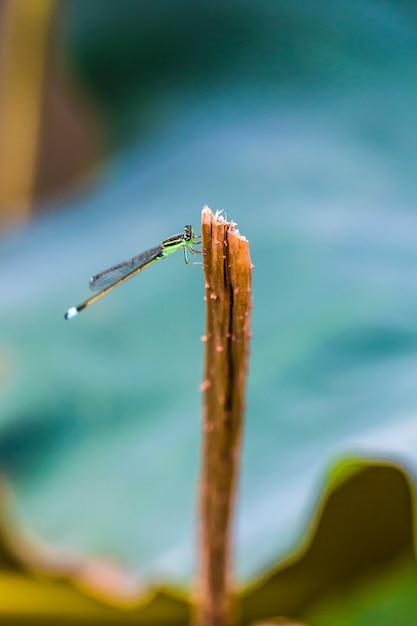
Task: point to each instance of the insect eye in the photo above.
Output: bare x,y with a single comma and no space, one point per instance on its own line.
188,233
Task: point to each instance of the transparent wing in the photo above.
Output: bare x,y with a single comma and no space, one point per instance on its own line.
113,274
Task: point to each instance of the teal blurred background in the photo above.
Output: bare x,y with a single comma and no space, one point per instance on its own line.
300,121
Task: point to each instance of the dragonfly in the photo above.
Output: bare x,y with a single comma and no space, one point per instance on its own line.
109,279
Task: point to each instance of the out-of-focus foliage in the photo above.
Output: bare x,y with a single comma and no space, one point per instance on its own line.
363,551
305,134
48,139
365,527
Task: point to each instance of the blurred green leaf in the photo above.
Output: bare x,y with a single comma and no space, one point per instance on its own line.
364,526
356,561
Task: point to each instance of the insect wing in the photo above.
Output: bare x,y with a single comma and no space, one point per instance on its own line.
113,274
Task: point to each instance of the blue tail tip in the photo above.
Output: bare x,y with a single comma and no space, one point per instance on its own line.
72,312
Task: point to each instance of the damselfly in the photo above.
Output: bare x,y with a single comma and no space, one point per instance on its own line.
108,279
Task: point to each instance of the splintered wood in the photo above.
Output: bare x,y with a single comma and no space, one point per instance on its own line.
227,270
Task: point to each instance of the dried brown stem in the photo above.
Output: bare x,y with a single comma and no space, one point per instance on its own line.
228,269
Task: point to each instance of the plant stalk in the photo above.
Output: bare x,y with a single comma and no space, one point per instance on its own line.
227,270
